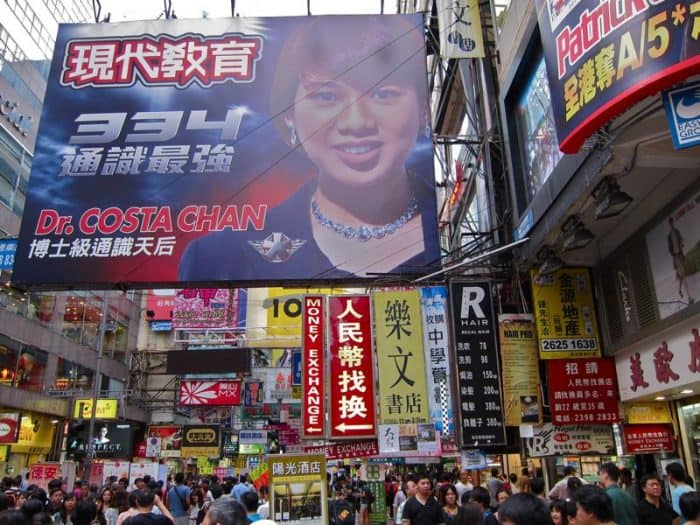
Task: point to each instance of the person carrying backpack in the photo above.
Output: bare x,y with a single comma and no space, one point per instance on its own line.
340,510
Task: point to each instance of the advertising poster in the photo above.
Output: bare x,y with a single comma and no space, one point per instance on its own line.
298,493
139,470
118,470
200,440
480,398
567,325
229,152
105,409
583,391
602,57
112,439
403,397
195,308
210,393
437,357
674,256
170,439
550,440
160,304
521,372
351,397
681,104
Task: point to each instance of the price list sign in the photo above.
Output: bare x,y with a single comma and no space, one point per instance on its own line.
583,391
480,399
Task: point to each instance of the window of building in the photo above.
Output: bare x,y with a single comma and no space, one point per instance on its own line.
72,376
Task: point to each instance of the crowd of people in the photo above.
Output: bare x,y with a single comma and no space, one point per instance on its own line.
522,500
146,502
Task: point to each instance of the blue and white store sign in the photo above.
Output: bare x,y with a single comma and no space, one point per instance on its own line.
683,110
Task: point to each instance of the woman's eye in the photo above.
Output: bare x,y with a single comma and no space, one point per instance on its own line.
324,96
386,93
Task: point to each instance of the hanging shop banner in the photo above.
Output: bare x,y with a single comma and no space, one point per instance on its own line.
160,304
603,57
210,393
170,439
672,248
298,493
41,473
583,391
105,409
253,441
567,325
520,369
460,29
204,164
200,440
647,412
437,357
347,450
208,308
153,445
351,398
403,397
480,401
550,440
97,473
668,359
9,427
681,106
646,439
412,439
313,368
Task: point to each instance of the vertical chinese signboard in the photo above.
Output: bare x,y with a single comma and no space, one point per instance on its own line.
351,397
477,364
521,376
298,489
399,336
583,391
437,357
565,313
313,368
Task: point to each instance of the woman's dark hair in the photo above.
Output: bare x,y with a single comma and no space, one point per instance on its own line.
444,489
566,508
32,506
690,505
5,501
120,500
573,484
62,511
524,509
481,495
469,514
41,518
227,511
354,49
85,512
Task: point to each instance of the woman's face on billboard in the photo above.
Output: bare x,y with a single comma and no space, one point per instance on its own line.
356,136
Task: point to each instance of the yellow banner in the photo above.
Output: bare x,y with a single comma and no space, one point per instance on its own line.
520,370
35,434
567,326
400,358
648,412
106,408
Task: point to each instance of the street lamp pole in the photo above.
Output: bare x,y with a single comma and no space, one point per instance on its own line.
96,386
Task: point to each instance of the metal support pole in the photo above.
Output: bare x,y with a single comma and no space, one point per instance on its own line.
96,386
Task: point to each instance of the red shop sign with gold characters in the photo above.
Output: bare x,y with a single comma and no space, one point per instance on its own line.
583,391
352,396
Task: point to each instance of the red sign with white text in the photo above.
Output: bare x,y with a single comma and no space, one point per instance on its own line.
313,366
583,391
352,399
210,393
352,449
641,439
9,427
159,305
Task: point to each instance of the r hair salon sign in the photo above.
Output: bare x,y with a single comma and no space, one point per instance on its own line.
549,440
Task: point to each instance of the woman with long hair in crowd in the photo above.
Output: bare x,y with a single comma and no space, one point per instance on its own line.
448,501
196,504
65,515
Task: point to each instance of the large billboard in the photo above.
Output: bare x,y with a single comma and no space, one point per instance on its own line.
245,150
604,55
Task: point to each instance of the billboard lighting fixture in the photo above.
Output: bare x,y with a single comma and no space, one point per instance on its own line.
610,200
576,235
550,262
